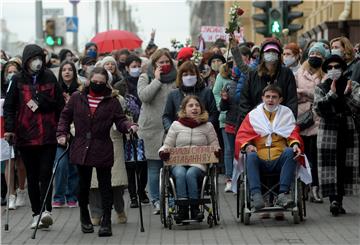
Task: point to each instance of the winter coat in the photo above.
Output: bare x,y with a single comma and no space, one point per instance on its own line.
251,92
39,127
118,171
306,84
92,145
175,98
153,94
220,83
337,134
180,135
231,105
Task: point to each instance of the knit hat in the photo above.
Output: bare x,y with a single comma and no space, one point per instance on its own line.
318,47
216,56
108,59
185,53
89,44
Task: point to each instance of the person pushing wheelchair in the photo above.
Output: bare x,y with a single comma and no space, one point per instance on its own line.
271,140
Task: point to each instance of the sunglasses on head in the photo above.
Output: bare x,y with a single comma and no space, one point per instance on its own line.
337,66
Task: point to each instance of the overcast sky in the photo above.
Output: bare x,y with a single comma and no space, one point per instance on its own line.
170,19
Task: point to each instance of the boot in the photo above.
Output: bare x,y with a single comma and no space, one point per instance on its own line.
196,214
86,225
182,214
105,226
314,195
334,208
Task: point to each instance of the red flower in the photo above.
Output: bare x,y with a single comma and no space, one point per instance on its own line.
239,11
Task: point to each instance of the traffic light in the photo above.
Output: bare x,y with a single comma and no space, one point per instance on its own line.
265,6
59,41
289,15
275,22
49,33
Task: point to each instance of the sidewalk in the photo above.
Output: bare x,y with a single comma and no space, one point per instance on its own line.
318,228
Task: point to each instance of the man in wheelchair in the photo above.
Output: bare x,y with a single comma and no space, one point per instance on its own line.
271,140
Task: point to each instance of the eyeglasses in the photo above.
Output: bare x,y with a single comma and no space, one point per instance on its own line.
330,67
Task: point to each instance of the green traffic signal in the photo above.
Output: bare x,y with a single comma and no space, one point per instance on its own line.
59,41
275,27
49,40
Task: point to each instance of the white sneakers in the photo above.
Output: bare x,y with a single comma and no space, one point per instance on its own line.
228,186
156,207
45,222
12,202
20,198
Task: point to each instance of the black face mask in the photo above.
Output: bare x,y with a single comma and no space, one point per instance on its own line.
97,88
315,62
121,65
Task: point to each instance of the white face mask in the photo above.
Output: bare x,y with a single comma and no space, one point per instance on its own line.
334,74
271,57
337,52
289,60
135,72
9,77
36,65
271,108
189,81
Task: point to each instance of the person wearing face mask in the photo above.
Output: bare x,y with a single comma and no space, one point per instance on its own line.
91,50
120,56
189,83
8,71
153,88
94,110
214,62
87,65
291,57
337,142
308,77
269,71
109,63
31,110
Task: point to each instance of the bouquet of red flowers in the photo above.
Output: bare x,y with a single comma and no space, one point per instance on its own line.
234,21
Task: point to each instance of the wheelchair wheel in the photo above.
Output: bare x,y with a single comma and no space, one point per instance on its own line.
241,195
163,201
247,219
214,196
300,200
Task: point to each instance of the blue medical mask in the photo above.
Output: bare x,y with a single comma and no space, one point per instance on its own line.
91,53
135,72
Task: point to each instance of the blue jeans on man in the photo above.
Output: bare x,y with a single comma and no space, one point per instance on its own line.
285,165
66,179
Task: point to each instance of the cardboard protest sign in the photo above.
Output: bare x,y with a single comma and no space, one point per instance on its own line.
192,155
212,33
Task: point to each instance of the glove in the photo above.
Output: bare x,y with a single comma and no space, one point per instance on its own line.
218,153
164,155
9,137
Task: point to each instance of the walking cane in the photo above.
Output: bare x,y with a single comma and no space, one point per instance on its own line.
134,143
8,186
49,187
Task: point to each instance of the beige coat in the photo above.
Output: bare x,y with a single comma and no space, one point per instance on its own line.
180,136
306,84
118,171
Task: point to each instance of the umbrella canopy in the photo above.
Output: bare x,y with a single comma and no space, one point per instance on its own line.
116,39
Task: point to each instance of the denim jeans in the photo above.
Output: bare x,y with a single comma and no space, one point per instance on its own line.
229,148
66,179
190,176
154,167
285,165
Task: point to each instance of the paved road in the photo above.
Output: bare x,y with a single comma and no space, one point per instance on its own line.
318,228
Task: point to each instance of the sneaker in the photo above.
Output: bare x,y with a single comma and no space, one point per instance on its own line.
334,208
134,203
72,204
284,200
46,218
12,202
56,204
122,219
156,208
34,222
258,201
20,198
228,186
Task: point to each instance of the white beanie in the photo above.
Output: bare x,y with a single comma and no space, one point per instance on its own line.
108,59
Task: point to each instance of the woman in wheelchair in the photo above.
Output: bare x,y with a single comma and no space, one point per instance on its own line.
191,129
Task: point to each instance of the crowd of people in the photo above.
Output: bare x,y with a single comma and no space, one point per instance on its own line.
93,101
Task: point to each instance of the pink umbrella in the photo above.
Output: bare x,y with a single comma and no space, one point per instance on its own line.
116,39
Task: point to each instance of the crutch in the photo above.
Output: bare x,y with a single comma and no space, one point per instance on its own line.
49,186
8,185
134,143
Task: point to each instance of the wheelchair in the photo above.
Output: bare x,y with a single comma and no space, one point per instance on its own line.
208,200
269,185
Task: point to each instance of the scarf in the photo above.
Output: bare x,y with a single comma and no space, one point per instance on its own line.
190,122
164,78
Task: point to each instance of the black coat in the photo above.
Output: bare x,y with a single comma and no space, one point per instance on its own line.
251,92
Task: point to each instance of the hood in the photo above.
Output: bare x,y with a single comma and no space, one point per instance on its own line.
31,51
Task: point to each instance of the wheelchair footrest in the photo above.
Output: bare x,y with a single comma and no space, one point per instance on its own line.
186,202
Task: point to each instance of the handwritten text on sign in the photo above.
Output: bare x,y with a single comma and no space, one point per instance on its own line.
192,155
212,33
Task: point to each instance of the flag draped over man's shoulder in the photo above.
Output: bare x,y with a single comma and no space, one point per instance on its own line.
256,124
5,148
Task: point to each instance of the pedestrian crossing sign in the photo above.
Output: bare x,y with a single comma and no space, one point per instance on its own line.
72,24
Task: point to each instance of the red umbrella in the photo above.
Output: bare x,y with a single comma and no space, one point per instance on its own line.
116,39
